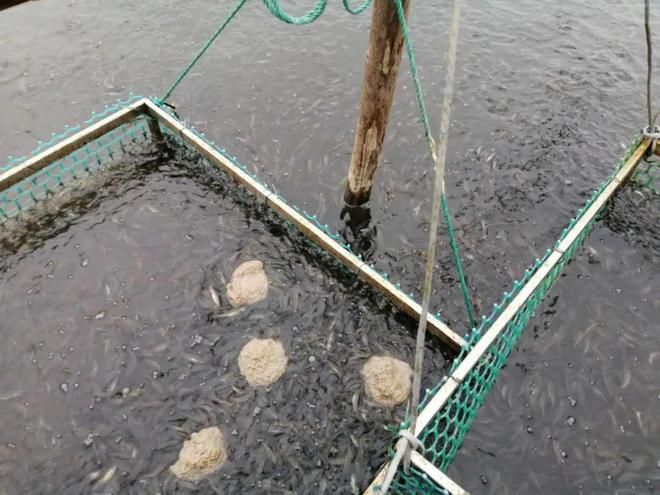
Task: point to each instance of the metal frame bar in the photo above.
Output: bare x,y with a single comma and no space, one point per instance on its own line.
355,264
436,475
445,392
352,262
420,462
146,107
71,144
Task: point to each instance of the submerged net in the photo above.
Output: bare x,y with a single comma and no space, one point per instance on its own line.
444,435
97,154
647,175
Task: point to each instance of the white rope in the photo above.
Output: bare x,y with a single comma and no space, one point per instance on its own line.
405,443
649,62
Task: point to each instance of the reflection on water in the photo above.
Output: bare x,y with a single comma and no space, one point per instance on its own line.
549,94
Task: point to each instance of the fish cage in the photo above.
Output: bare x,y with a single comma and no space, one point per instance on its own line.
447,410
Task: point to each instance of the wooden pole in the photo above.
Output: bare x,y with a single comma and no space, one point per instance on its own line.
380,72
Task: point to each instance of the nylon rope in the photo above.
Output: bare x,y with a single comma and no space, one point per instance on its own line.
276,9
415,75
649,63
439,155
356,10
427,131
239,5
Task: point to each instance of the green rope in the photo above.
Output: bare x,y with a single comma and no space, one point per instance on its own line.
457,261
427,130
414,73
356,10
184,73
277,10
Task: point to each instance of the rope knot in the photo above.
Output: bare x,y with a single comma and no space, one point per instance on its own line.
655,134
414,442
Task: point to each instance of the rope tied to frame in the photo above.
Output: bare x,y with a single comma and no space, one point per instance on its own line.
239,5
651,131
407,438
453,242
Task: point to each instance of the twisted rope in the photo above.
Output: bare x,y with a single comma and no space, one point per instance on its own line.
356,10
276,9
457,262
415,75
439,202
239,5
444,130
649,63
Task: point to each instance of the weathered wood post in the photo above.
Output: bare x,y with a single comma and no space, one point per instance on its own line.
380,72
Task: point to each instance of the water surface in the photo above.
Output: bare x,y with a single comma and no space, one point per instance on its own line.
548,97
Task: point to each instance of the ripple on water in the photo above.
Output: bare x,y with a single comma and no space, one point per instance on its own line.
123,357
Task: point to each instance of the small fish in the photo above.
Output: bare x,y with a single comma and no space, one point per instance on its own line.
638,415
355,401
214,296
108,475
354,485
626,378
10,395
231,313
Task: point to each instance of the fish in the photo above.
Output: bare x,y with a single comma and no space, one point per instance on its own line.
214,296
107,476
638,415
10,395
626,378
354,485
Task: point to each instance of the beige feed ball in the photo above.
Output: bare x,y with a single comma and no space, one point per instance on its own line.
387,381
201,455
248,284
262,361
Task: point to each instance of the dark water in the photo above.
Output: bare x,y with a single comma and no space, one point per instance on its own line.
110,330
548,97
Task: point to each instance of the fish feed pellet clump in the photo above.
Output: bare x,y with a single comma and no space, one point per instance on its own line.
262,361
386,380
248,284
201,455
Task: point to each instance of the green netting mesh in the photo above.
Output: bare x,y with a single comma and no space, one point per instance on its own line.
648,175
418,483
96,154
444,435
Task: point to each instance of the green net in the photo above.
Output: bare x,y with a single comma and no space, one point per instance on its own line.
97,154
647,175
444,435
417,483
